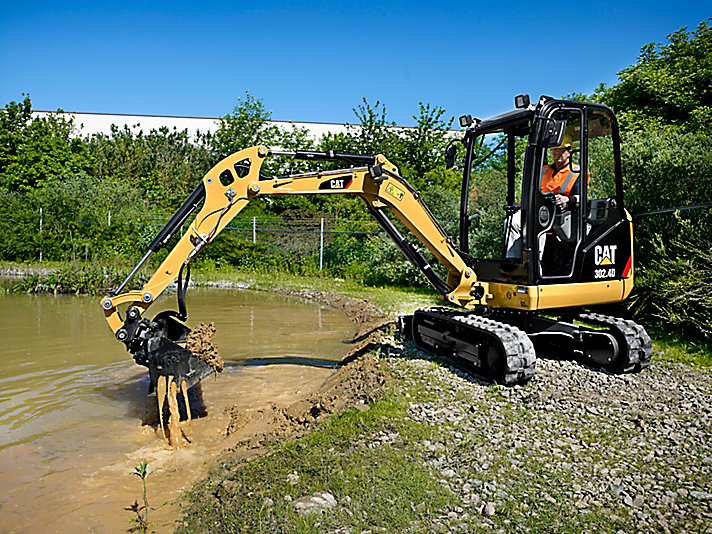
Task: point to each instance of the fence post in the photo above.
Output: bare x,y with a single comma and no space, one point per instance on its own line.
321,245
109,222
254,230
40,234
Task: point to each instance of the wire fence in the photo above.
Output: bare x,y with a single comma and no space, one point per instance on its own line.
288,233
302,235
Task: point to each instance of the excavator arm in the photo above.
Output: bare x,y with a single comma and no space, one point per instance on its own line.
225,191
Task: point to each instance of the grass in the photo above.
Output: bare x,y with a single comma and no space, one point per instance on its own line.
376,485
674,348
384,478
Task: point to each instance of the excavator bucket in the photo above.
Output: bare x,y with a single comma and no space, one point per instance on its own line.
166,358
177,359
167,355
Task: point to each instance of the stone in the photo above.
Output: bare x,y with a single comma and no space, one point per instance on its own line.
701,495
318,502
617,489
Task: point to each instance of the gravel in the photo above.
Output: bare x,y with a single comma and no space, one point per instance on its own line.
633,450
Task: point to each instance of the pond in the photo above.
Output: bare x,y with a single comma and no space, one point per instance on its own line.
73,405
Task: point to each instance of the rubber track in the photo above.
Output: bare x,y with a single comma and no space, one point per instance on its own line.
640,348
519,350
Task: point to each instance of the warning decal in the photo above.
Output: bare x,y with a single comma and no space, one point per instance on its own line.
394,192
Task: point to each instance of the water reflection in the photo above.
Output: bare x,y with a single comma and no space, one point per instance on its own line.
291,360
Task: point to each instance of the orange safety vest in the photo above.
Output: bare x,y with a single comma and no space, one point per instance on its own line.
559,182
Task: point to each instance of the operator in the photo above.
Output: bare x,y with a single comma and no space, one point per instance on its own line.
560,178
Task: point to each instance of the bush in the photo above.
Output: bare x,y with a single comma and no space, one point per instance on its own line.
89,279
667,169
673,290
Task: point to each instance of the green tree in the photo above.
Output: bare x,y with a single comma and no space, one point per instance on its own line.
422,149
37,151
250,124
671,84
247,125
163,165
374,133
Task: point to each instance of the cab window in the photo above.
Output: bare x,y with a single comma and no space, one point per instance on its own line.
561,191
602,205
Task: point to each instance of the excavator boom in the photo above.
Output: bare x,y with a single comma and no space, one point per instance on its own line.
225,190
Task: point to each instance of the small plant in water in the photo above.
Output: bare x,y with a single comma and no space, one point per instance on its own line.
140,522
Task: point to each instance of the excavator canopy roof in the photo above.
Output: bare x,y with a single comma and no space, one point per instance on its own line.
518,120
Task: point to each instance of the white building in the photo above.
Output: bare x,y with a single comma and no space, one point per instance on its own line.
91,123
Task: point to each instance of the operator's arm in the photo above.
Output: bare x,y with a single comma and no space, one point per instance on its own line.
572,199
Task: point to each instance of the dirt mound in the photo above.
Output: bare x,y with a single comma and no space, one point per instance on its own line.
201,343
356,384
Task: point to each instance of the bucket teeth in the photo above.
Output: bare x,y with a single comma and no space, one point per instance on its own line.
161,392
188,423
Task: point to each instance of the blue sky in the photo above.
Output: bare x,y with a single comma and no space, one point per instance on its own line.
315,61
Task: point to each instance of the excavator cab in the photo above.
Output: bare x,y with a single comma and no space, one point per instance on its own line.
547,241
566,244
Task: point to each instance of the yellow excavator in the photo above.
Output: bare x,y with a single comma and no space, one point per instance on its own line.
557,256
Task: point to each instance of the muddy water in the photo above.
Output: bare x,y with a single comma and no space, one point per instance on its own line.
75,420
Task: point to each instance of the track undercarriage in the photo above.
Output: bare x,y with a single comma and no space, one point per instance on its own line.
502,346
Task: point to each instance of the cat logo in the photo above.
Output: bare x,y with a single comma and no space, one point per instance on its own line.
336,183
395,192
605,254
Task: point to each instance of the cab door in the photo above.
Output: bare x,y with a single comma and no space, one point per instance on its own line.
606,251
558,195
587,238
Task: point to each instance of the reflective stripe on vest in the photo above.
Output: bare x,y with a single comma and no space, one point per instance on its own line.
561,183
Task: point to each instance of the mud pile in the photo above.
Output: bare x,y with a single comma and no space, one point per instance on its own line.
201,343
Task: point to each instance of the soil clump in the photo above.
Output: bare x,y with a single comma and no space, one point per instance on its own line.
201,343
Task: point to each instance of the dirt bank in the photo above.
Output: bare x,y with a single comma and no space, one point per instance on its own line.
355,384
